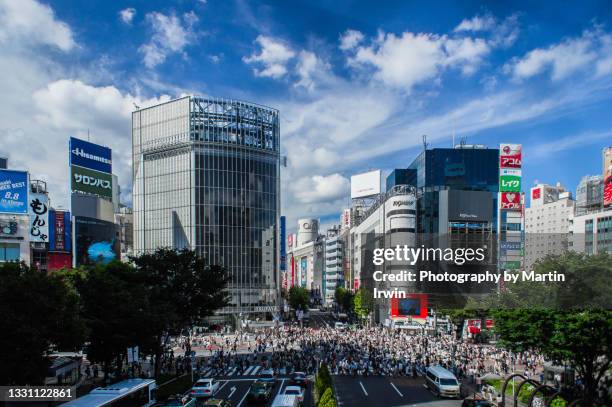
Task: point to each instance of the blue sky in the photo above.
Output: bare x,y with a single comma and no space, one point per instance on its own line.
357,83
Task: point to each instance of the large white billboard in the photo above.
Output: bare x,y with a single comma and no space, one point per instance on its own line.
366,184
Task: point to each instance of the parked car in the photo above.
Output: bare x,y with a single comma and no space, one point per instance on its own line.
217,403
298,379
259,392
295,391
180,401
205,388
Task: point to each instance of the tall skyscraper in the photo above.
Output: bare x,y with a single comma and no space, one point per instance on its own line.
206,177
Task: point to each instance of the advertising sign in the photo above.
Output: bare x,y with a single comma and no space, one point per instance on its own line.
283,251
39,218
366,184
290,240
355,284
60,231
303,271
510,245
91,182
511,265
90,155
511,201
536,193
509,183
96,241
608,177
13,191
510,156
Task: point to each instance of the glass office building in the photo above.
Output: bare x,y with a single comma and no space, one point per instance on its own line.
469,168
206,177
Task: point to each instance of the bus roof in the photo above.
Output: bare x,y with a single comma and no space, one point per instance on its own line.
441,372
102,395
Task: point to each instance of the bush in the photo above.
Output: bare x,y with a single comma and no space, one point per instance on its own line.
326,398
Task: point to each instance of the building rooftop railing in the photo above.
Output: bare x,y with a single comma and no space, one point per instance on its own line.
383,197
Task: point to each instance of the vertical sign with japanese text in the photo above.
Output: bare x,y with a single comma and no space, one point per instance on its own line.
39,218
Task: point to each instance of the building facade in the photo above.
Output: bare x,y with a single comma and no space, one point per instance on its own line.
334,262
206,177
547,222
589,194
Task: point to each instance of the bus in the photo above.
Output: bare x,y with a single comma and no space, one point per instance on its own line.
127,393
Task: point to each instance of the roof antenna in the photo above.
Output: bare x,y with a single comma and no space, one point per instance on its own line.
87,134
425,144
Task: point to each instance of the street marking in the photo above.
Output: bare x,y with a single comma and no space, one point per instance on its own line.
242,400
254,372
248,371
396,389
280,391
363,388
232,391
220,387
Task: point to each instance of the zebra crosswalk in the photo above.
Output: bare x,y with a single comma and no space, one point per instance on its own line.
253,370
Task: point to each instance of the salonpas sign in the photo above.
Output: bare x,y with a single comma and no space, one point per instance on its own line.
91,182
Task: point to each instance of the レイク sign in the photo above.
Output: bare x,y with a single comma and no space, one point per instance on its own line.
509,183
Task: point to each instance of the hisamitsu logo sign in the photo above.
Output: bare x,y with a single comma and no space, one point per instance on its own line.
89,155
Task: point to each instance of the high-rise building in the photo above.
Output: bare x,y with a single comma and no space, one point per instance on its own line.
206,177
3,163
466,169
589,194
334,261
547,222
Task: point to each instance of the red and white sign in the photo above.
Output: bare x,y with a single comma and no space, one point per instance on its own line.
511,201
536,193
510,156
59,231
489,323
355,284
290,240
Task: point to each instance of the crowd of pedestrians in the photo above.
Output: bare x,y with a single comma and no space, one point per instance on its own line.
360,351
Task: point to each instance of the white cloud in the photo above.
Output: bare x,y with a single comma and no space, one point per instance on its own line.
350,39
409,59
273,57
127,15
171,35
31,22
320,188
565,58
477,23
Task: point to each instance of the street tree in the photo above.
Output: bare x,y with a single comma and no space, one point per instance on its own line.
182,290
38,313
298,298
114,305
344,299
363,303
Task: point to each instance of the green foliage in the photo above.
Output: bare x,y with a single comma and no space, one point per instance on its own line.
325,398
37,311
298,298
114,304
344,298
363,303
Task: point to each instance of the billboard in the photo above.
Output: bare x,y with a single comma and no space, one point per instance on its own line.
303,271
511,201
509,183
60,231
366,184
510,156
91,182
89,155
95,241
283,251
414,306
13,191
39,218
607,176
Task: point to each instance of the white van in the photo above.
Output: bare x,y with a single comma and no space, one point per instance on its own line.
286,400
442,382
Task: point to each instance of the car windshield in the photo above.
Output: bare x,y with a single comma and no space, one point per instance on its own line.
203,384
448,382
292,391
